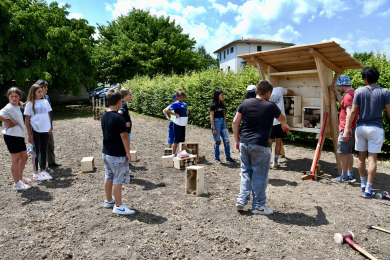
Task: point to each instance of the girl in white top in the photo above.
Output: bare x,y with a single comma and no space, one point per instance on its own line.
14,137
38,124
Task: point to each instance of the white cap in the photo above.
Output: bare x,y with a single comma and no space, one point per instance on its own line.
251,88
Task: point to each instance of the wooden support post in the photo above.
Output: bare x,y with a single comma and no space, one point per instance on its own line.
325,60
93,108
98,109
260,64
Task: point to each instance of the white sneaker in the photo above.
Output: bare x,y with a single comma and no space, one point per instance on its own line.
25,181
109,204
46,175
123,210
263,210
21,186
275,165
38,177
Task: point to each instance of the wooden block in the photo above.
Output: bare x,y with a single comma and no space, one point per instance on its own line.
196,182
293,120
167,161
192,147
133,156
306,177
168,151
328,175
181,164
295,109
87,164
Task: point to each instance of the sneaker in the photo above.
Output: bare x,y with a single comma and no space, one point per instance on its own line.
263,210
341,180
25,181
230,160
21,186
38,177
368,194
174,155
46,175
123,210
240,206
218,161
352,178
363,188
275,165
109,204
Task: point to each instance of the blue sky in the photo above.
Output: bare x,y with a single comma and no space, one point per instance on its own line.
357,25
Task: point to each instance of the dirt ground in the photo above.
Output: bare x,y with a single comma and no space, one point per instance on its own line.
64,218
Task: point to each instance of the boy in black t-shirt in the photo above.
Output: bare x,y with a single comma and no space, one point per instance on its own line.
116,153
124,110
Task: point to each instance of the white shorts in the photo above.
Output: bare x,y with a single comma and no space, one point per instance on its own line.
369,138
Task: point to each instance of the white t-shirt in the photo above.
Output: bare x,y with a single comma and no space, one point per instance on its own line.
40,121
12,112
277,98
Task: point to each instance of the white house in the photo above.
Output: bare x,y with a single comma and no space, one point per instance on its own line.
227,54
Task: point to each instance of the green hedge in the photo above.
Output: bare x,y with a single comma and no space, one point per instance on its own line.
151,96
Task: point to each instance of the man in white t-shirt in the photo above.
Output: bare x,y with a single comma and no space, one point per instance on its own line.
277,132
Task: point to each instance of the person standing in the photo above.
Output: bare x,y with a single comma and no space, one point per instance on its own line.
51,158
345,148
257,115
277,132
368,102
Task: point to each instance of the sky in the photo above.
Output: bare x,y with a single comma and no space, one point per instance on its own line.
357,25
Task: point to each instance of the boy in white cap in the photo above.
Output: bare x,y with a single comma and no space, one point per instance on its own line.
345,147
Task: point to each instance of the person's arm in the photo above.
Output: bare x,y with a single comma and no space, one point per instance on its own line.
236,129
387,107
9,122
168,111
28,127
348,122
165,113
126,144
51,127
338,95
290,92
213,123
283,121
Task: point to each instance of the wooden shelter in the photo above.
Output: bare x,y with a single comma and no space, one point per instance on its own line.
308,70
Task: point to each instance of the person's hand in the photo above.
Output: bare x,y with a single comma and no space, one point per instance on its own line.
11,124
347,133
127,124
49,133
30,139
177,115
215,132
167,118
334,87
238,146
286,128
128,157
187,112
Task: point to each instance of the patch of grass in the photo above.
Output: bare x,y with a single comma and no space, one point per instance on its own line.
72,116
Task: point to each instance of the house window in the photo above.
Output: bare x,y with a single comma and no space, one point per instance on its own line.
231,50
228,51
224,54
258,48
228,68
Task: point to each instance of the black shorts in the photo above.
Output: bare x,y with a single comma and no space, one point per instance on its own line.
179,133
15,144
277,132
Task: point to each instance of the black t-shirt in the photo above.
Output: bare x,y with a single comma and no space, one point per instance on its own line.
113,124
125,111
218,113
257,120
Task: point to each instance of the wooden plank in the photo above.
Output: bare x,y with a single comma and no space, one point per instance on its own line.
309,66
351,67
274,80
290,73
308,92
325,60
291,62
259,64
257,60
299,81
308,130
324,85
311,102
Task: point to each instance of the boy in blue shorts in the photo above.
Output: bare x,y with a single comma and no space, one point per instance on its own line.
171,119
116,153
181,119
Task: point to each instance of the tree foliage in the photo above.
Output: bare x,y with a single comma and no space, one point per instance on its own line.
142,44
39,41
208,61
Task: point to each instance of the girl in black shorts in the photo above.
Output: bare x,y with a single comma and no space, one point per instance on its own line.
14,137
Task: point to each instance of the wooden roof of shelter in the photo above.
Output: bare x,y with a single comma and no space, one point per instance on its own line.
301,58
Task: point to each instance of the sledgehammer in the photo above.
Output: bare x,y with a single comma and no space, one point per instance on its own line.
382,195
378,228
348,238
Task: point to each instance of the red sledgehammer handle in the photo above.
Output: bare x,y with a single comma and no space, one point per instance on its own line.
318,150
359,248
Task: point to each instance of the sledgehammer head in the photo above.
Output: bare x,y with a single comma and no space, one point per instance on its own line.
381,195
340,237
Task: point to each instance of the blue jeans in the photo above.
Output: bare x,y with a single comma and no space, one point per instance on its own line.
255,162
220,126
170,133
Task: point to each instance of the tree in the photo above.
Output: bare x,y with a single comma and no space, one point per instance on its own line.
208,61
38,41
142,44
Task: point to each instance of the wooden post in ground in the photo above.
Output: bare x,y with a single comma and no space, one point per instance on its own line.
93,108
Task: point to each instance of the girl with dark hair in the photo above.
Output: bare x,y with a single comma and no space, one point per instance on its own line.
250,92
14,137
218,126
38,124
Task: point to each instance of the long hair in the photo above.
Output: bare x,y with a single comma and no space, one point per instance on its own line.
31,95
249,94
17,91
216,99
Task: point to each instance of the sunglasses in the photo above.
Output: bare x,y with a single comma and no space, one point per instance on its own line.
43,83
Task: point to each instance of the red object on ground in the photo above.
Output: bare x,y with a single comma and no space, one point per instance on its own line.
312,172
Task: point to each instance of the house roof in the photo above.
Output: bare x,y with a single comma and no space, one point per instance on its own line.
301,57
254,40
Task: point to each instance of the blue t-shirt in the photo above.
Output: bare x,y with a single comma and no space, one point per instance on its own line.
179,108
371,101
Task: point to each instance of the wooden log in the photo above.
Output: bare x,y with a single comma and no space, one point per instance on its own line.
312,117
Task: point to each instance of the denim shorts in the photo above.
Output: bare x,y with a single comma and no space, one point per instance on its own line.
117,169
129,137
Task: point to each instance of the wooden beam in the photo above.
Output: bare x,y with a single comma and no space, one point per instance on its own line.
325,60
290,73
259,64
324,86
257,60
274,80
